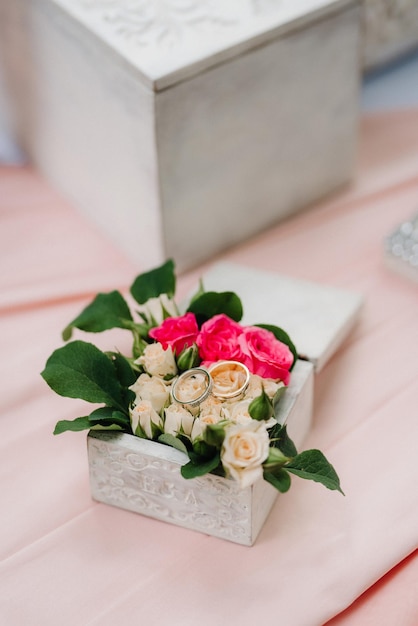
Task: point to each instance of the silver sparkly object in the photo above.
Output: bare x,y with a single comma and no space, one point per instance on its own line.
401,249
196,380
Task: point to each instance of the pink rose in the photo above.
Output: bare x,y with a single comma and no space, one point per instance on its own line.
269,357
219,340
177,332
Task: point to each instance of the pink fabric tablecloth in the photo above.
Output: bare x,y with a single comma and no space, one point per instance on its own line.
68,560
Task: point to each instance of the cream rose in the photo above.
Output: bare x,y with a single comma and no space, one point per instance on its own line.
145,416
238,411
211,406
254,387
178,420
154,308
157,361
201,423
245,448
152,389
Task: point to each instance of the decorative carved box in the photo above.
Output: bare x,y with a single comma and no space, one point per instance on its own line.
173,121
144,476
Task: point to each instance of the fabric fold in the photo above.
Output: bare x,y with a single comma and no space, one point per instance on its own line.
68,560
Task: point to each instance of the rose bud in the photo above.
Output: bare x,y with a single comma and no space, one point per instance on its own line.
215,433
156,310
261,408
153,389
145,421
178,420
188,358
157,361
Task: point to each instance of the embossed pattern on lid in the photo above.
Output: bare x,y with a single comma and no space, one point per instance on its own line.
170,40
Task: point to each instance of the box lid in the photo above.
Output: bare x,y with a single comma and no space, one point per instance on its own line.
317,317
170,40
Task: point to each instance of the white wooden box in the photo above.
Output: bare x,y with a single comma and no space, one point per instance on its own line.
184,126
144,476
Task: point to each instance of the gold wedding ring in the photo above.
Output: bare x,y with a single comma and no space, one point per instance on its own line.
227,374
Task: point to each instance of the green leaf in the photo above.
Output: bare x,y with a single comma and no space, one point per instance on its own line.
125,374
200,291
140,332
108,310
201,451
124,371
214,434
280,479
140,432
80,423
281,440
154,283
172,441
106,416
213,303
313,465
282,336
80,370
110,427
191,470
277,397
186,441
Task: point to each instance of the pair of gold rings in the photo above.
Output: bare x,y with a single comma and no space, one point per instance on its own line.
223,380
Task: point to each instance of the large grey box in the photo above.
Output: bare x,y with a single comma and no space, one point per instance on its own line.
183,127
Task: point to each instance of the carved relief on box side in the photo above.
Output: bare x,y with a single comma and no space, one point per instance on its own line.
155,487
387,21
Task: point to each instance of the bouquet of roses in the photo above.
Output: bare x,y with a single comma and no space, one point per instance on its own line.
198,381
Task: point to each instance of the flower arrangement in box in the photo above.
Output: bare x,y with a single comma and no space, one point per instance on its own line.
198,381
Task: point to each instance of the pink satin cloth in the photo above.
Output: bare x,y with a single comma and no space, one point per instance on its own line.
70,561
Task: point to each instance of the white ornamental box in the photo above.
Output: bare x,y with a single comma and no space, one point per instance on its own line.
144,476
184,121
